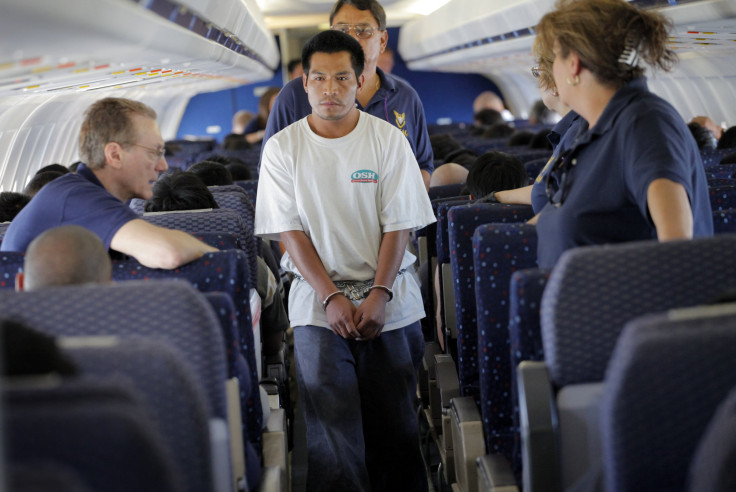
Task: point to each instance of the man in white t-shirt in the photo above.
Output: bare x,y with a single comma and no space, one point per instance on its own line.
342,190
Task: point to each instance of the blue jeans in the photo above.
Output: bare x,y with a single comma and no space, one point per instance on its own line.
358,403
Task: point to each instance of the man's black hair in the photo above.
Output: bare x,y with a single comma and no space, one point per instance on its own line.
11,203
495,171
28,352
180,190
53,167
520,138
39,181
728,139
212,173
334,42
375,8
703,137
292,64
540,140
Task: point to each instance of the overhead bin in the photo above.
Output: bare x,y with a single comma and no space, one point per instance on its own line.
495,38
83,45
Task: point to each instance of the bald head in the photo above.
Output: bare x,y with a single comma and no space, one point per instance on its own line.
447,174
488,100
66,255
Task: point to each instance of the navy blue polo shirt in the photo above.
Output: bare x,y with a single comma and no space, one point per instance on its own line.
561,136
72,199
395,101
639,137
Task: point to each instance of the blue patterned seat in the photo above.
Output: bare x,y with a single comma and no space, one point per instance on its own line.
218,220
722,197
592,292
169,390
534,167
667,375
525,335
724,221
725,171
713,157
713,466
11,263
74,423
498,250
227,272
251,189
463,220
445,191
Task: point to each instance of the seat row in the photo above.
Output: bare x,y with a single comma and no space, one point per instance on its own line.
496,326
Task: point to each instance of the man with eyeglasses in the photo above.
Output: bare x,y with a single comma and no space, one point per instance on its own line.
382,95
123,154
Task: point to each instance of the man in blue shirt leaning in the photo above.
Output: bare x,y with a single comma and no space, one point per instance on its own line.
123,154
382,95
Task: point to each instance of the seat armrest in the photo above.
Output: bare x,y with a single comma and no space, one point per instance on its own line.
495,474
468,441
447,380
539,429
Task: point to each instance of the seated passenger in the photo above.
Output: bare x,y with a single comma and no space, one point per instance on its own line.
256,128
39,180
185,191
65,255
499,130
708,123
443,144
728,139
123,150
11,203
484,119
703,137
28,352
540,114
520,138
53,167
446,174
612,185
495,171
239,170
491,100
211,173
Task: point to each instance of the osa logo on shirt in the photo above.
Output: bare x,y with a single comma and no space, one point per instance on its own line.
364,176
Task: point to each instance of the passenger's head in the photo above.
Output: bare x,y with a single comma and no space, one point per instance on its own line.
541,114
488,100
240,121
365,20
73,166
464,157
520,138
180,190
120,138
443,144
579,25
65,255
29,352
330,42
54,167
239,170
499,130
235,141
703,137
294,68
450,173
265,103
541,140
211,173
39,181
728,139
11,203
495,171
487,117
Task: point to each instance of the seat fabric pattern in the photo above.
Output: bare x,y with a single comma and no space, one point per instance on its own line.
498,250
593,291
463,220
666,378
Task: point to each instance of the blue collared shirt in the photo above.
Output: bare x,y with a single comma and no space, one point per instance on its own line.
639,137
395,101
72,199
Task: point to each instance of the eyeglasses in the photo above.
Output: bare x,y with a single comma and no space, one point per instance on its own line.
536,71
559,181
363,31
159,153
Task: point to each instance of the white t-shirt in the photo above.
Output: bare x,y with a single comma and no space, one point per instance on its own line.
344,193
